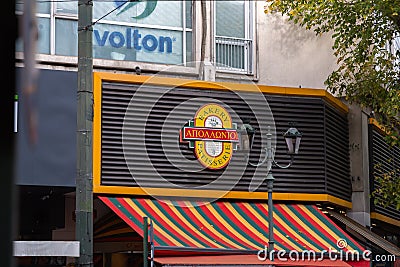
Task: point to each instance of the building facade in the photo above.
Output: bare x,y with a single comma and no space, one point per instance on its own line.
156,64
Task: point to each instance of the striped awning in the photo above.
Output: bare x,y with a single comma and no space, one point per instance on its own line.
250,260
111,228
232,225
368,234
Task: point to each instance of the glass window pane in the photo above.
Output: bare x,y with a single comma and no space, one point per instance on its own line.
189,14
44,36
67,8
66,37
230,18
43,45
189,47
143,12
137,44
41,7
18,41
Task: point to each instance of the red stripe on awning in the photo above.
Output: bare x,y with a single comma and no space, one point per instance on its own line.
206,230
160,219
243,260
186,227
302,229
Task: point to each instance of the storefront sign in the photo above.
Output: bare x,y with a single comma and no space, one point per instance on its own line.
133,38
137,31
212,135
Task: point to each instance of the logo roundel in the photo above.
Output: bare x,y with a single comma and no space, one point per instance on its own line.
126,5
212,135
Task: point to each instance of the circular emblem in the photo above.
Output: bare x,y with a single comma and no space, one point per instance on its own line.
214,154
124,6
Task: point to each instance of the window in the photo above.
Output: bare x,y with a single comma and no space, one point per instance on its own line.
150,31
43,22
41,7
234,35
66,43
394,49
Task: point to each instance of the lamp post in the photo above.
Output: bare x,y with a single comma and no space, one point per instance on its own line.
292,137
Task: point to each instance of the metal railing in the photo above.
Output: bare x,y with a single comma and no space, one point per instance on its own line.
233,54
393,47
396,51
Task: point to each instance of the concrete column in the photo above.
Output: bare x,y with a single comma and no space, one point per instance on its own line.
205,39
359,165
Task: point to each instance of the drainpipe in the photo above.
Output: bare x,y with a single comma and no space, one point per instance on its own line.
203,38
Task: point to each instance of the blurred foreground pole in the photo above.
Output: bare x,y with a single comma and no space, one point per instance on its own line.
30,36
7,195
84,186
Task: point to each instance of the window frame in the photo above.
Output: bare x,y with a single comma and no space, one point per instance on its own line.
184,29
250,36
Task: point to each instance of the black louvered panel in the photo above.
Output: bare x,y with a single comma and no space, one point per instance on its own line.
385,159
306,175
396,157
157,158
382,158
114,104
337,154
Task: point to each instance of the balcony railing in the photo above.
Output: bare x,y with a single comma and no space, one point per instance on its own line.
394,48
233,54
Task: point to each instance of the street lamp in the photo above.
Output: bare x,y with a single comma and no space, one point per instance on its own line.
292,137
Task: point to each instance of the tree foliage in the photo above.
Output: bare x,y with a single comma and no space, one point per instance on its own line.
386,194
365,34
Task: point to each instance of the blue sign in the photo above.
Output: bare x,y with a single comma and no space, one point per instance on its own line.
134,39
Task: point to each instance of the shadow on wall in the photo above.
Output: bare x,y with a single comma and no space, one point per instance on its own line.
286,34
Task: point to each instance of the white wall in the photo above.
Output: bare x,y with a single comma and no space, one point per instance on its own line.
290,55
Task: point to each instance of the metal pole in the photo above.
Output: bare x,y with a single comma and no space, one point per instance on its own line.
84,185
151,244
270,185
271,242
145,240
